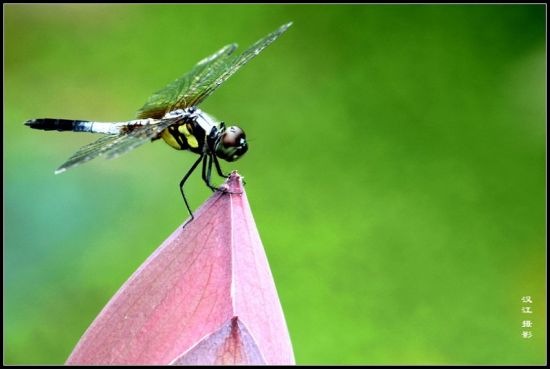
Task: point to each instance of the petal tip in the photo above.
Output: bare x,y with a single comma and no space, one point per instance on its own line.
234,183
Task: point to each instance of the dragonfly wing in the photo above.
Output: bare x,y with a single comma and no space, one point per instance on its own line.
179,91
222,71
114,145
204,78
137,137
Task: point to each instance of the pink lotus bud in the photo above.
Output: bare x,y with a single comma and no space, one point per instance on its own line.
205,296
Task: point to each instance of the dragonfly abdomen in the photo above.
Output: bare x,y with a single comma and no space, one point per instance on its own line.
50,124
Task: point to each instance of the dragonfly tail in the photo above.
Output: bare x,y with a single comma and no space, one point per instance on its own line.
49,124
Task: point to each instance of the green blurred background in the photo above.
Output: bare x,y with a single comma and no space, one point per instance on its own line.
396,171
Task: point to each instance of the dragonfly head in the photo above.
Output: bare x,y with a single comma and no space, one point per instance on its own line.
232,144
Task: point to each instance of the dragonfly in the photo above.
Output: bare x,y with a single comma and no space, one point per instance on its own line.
171,114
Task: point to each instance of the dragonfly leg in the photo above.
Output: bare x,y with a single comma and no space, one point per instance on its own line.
185,179
207,171
218,167
213,140
207,176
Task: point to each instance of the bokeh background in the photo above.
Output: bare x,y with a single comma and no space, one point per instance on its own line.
396,171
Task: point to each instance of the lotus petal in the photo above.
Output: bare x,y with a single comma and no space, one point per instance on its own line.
205,296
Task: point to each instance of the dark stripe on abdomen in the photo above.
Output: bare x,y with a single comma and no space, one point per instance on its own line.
49,124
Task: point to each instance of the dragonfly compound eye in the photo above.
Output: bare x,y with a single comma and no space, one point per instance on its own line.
233,144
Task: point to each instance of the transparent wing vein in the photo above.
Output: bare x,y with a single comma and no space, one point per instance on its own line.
114,145
204,78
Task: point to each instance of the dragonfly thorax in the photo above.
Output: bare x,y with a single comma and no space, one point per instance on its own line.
189,131
198,132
